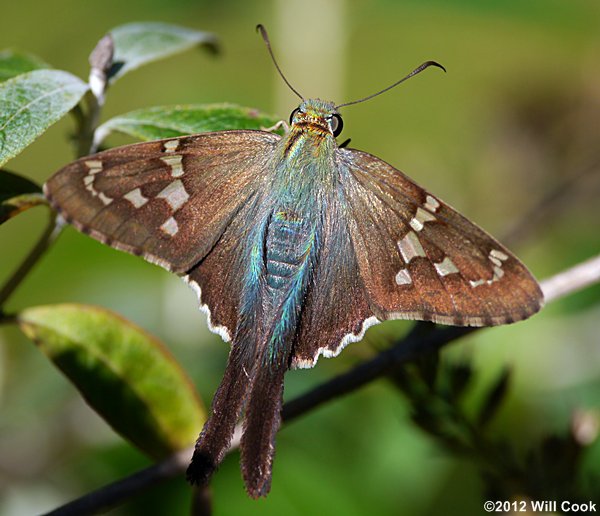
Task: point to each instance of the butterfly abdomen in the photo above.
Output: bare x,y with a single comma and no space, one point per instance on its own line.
280,263
289,245
286,246
289,252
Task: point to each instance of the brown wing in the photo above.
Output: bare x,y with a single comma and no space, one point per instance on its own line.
420,259
176,202
167,200
218,277
336,309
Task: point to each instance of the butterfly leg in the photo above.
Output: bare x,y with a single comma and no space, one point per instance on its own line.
282,124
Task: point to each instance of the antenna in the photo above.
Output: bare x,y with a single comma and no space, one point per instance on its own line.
265,37
417,70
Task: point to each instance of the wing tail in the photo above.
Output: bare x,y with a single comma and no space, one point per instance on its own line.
215,438
262,420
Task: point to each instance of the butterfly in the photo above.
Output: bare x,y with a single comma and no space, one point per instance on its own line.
295,246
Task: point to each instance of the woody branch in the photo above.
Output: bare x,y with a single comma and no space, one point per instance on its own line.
415,343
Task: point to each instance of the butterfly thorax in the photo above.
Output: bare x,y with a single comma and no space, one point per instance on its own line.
285,248
304,161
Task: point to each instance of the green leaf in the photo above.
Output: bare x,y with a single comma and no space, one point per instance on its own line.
139,43
170,121
17,194
125,374
32,102
13,63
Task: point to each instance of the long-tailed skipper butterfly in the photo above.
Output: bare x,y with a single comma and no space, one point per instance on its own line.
295,246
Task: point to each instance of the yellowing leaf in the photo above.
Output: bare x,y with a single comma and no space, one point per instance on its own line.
125,374
17,194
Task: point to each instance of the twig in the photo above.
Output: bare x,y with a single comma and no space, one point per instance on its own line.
405,350
7,318
572,280
414,344
201,501
100,61
48,236
112,494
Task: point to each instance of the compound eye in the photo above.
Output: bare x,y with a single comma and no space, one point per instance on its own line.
293,114
336,124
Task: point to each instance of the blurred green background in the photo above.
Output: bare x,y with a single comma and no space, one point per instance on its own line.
509,134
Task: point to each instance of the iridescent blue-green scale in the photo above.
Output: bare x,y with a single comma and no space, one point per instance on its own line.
284,238
304,183
288,246
285,252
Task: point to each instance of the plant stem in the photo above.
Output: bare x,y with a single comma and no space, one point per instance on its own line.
113,494
7,318
404,351
86,123
574,279
87,126
48,236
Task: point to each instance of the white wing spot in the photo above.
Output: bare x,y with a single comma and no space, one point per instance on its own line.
420,218
104,198
477,283
497,258
176,164
171,145
498,273
499,255
175,194
410,247
403,277
170,227
94,166
431,203
136,198
445,267
495,261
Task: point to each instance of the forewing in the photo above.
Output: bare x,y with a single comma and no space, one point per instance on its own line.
169,200
420,259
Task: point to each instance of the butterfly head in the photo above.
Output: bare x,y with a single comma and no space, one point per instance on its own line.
317,116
